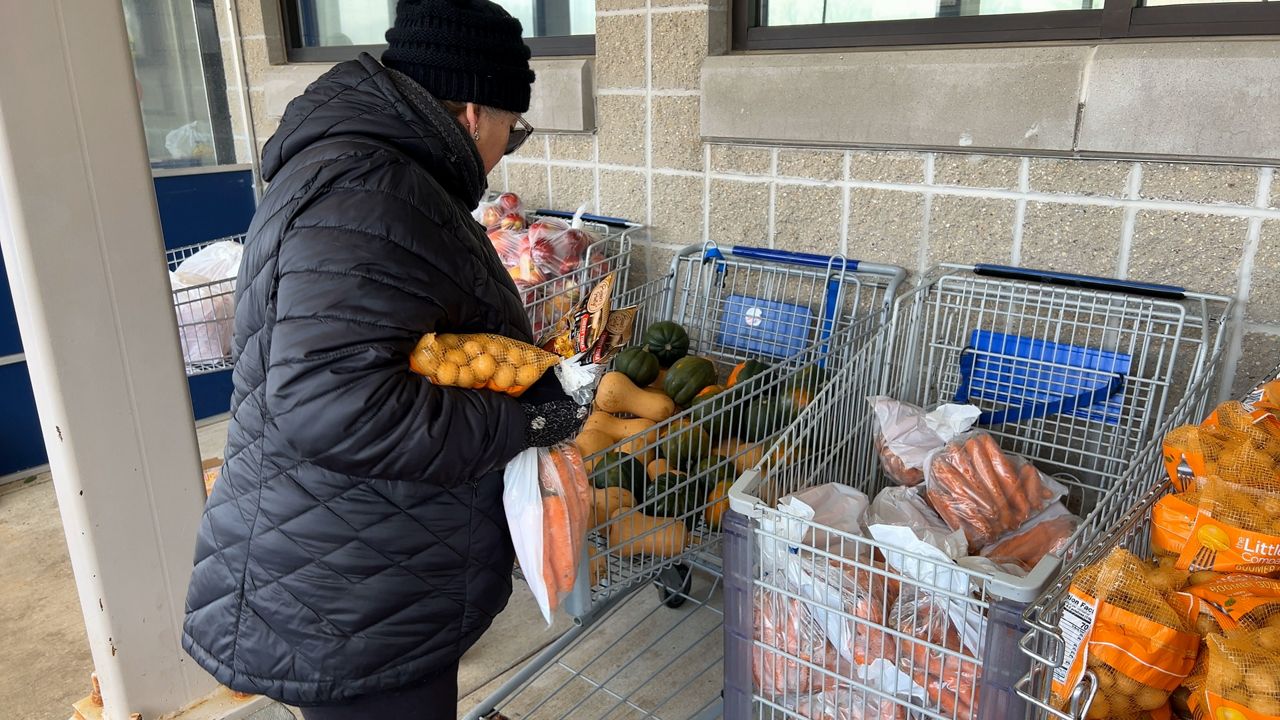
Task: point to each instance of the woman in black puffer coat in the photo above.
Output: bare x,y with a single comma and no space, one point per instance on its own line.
355,545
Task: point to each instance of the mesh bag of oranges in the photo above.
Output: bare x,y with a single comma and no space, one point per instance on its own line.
1119,624
1222,526
480,360
1242,677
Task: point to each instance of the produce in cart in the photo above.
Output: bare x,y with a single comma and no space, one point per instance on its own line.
906,435
1043,534
980,490
949,679
788,630
1126,631
1242,676
847,703
1220,526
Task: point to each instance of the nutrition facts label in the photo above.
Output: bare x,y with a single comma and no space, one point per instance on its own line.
1077,617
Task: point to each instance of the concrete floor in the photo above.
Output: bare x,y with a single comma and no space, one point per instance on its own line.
45,663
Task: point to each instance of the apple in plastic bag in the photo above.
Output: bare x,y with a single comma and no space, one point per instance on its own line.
512,221
490,215
509,203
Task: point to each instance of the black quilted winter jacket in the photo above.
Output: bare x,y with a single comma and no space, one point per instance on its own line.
356,540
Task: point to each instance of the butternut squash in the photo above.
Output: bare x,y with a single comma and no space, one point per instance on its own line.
606,501
632,533
657,383
617,394
616,428
591,442
640,449
657,468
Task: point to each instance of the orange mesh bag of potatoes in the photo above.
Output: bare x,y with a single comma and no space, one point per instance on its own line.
480,360
1119,624
1223,527
1238,442
1242,677
1238,601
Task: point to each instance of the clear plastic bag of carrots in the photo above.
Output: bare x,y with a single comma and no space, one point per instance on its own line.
787,629
1043,534
979,489
950,679
547,499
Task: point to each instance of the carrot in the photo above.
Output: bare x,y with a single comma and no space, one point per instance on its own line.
1015,500
557,546
1034,488
986,472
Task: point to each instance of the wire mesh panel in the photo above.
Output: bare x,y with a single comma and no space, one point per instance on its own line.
206,314
1078,379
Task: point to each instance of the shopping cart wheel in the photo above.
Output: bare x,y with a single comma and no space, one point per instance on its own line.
674,584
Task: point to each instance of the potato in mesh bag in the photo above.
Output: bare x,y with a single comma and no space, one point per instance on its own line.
480,360
1242,677
1223,526
1136,643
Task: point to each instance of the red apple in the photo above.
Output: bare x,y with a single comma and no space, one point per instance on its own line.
512,221
509,202
490,215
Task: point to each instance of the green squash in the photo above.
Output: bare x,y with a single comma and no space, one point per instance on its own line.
685,444
667,341
744,371
764,417
712,470
638,364
670,495
616,469
687,377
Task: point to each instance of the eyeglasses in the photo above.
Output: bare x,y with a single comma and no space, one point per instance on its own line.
519,134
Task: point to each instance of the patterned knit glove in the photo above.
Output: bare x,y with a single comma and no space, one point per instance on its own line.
551,416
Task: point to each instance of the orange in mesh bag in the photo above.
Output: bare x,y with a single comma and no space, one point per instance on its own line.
1224,527
1118,623
480,360
1242,677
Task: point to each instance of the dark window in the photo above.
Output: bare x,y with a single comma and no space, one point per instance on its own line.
795,24
334,30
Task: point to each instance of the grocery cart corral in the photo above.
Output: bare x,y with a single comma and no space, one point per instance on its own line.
804,314
1080,375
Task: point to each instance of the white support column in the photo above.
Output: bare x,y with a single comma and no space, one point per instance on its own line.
82,244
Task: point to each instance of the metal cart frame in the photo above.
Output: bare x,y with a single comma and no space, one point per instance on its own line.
1082,376
805,313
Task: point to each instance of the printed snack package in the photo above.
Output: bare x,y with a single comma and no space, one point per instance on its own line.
1119,623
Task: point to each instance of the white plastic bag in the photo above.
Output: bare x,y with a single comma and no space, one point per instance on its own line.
547,500
579,381
188,141
217,261
899,510
834,506
907,434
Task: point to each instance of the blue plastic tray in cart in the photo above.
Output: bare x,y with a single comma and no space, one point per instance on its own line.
1037,378
765,327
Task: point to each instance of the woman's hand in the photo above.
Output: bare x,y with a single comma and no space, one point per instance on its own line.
551,416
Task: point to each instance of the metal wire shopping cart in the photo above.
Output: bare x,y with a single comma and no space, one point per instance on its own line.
1078,374
1044,641
803,314
551,300
206,314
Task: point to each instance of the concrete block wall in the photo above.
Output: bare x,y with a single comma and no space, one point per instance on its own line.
1212,228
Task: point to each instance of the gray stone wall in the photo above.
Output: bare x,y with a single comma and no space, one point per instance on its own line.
1211,228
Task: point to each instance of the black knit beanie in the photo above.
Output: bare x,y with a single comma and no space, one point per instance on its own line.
462,50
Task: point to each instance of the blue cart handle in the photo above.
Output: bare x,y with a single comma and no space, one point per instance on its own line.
1087,282
794,258
597,219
